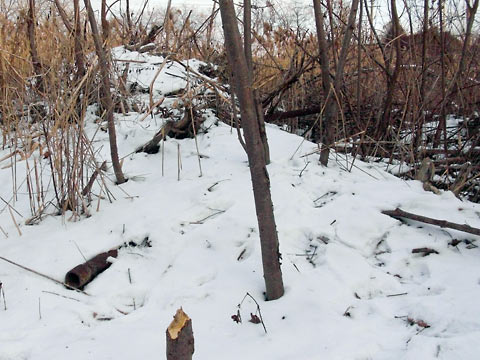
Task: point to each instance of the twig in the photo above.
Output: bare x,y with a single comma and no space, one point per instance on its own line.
392,295
301,172
157,103
198,222
3,295
54,293
258,308
14,221
179,162
42,275
241,254
4,232
215,184
80,251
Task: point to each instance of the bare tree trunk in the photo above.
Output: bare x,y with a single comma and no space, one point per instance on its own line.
471,12
105,25
37,65
331,108
107,96
129,20
256,158
247,46
166,24
64,16
332,31
442,125
424,49
460,73
261,126
423,100
392,77
77,33
247,34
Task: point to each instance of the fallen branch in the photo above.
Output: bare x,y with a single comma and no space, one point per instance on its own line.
398,213
424,251
282,115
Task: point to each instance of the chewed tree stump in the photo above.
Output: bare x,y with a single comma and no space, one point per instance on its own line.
180,344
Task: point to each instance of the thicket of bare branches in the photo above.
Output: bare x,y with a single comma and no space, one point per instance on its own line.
408,89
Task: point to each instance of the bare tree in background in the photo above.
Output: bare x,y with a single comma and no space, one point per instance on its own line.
79,57
107,96
260,180
247,46
37,65
331,87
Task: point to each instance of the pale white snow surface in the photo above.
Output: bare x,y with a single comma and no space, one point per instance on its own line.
342,259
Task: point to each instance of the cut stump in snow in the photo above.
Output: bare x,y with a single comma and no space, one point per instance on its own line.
180,344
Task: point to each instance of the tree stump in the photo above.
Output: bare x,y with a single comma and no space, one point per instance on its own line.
180,344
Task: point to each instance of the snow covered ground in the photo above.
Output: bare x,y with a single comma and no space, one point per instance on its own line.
354,290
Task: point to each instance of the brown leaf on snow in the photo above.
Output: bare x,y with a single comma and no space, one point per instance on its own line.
236,317
418,322
254,319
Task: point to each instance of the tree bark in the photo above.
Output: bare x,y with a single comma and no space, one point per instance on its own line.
256,157
105,25
107,96
247,34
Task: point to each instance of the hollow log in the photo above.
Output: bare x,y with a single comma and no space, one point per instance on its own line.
180,343
82,274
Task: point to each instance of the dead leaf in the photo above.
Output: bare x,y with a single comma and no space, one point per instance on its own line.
254,319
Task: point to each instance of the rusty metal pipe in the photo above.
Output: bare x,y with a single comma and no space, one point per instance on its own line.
82,274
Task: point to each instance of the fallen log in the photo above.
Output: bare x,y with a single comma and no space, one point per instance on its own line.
180,342
180,129
282,115
82,274
398,213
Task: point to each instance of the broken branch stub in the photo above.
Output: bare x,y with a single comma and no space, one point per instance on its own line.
82,274
180,342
